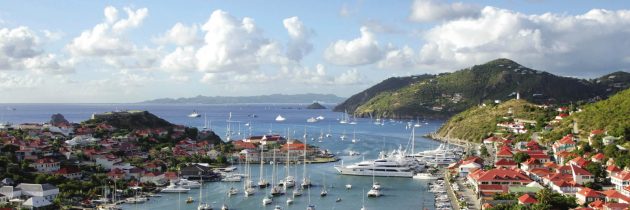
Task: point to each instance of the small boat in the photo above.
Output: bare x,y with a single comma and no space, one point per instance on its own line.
353,153
348,186
266,201
311,120
194,114
320,117
374,193
424,176
277,208
323,193
190,200
280,118
232,191
205,206
172,188
138,199
185,183
376,186
338,199
297,192
289,201
310,207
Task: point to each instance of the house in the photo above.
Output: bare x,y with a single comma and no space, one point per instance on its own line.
598,158
597,204
153,177
621,179
70,172
526,199
565,187
46,191
107,161
531,163
593,134
616,206
505,163
588,195
567,143
615,196
580,175
496,177
36,203
469,164
612,170
504,153
579,161
46,165
196,170
609,140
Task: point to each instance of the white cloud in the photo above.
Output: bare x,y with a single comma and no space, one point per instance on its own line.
345,11
299,46
395,58
592,43
180,35
231,44
107,39
10,81
432,10
320,76
350,77
21,49
181,60
360,51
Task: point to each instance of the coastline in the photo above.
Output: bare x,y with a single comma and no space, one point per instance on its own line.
452,141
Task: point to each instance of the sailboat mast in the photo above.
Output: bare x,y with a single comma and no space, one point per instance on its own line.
413,141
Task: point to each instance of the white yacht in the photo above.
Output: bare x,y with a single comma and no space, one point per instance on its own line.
136,199
185,183
320,117
172,188
266,201
374,193
311,120
394,165
280,118
194,114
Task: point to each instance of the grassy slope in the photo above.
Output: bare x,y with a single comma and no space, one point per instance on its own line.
478,122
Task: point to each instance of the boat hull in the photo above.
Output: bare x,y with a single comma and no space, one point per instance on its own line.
348,171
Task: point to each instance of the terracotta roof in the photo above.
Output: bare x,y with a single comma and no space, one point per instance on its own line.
568,139
616,205
624,175
598,156
541,172
588,192
499,175
579,171
614,194
597,132
504,162
613,168
526,199
596,204
493,187
504,151
579,161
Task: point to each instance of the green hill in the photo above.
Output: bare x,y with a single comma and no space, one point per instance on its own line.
130,120
479,122
446,94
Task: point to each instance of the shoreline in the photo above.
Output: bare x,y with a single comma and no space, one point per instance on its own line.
452,141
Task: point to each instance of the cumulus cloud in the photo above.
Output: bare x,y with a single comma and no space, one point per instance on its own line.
360,51
586,44
106,39
320,76
181,60
21,49
432,10
10,81
180,35
299,45
398,58
231,44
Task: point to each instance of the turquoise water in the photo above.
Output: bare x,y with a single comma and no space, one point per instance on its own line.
398,193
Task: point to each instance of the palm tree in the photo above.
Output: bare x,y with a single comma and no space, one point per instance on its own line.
544,196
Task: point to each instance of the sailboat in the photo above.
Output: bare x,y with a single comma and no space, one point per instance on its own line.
289,181
329,134
376,187
324,192
344,118
275,189
262,183
280,118
417,125
343,135
247,185
354,136
205,121
202,205
310,206
194,114
305,181
354,121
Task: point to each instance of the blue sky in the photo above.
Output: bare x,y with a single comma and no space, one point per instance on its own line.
128,51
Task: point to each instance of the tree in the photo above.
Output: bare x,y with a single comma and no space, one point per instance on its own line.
596,170
520,157
484,151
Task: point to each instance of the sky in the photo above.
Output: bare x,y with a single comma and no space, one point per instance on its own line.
79,51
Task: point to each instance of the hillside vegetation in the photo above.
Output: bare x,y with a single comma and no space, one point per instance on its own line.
479,122
449,93
130,120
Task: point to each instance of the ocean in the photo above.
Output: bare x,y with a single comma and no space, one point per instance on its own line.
398,193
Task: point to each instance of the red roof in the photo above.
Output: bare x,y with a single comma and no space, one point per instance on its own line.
596,204
568,139
504,162
243,145
588,192
579,171
613,168
505,151
493,187
597,132
598,156
46,160
579,161
67,170
624,175
526,199
615,206
499,175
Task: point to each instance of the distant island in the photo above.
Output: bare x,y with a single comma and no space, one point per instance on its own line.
316,105
273,98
